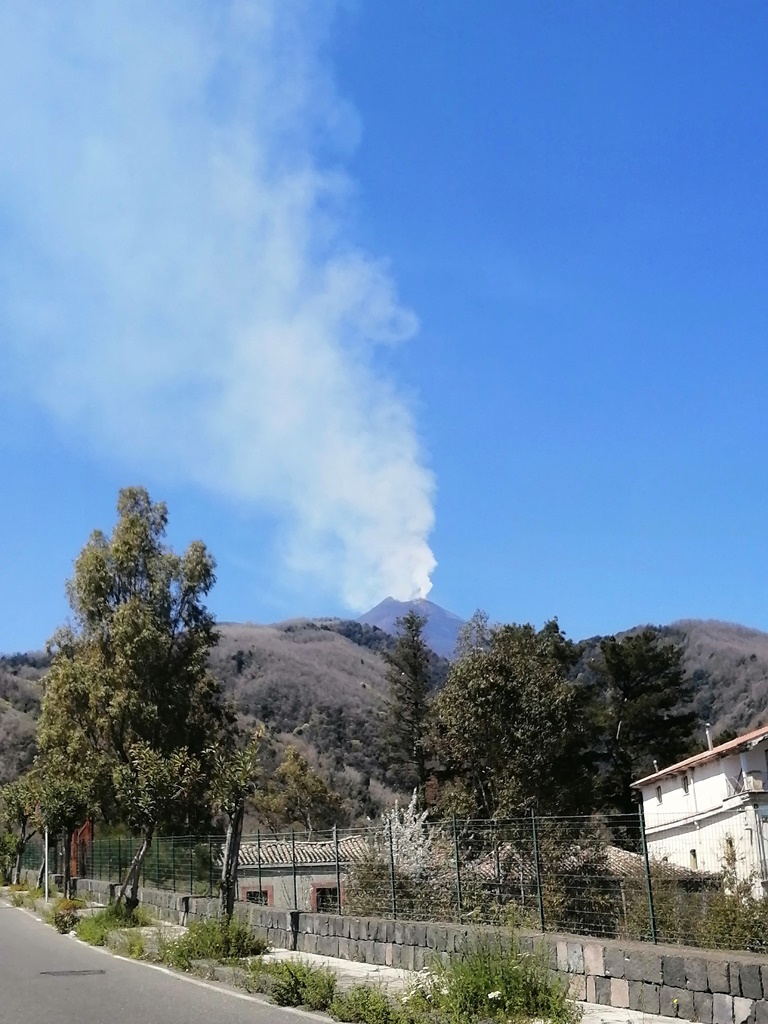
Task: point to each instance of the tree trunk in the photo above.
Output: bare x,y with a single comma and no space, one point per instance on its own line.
22,842
230,862
67,869
131,879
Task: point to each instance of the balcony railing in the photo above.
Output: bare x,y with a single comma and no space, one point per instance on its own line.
752,782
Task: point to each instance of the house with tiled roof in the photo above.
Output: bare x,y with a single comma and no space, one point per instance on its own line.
710,812
288,873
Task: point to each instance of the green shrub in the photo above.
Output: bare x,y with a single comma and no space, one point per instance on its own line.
212,940
364,1005
293,983
64,914
17,898
95,928
135,947
499,980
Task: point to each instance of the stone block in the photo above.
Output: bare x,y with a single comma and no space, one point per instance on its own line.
365,951
591,996
603,991
673,971
594,958
702,1007
743,1010
675,1002
407,958
735,974
389,954
722,1008
620,992
460,940
575,958
615,962
642,966
761,1012
643,997
419,957
751,981
328,945
718,976
399,932
419,937
561,952
577,987
696,974
380,953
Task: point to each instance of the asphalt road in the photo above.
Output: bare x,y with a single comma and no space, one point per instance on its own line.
41,983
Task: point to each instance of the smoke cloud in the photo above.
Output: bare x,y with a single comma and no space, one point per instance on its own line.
178,284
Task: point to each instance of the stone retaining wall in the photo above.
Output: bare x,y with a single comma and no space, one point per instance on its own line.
711,987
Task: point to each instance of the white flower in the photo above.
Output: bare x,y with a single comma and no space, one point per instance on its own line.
494,995
443,991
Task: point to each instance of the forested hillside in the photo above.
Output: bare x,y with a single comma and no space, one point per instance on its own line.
321,684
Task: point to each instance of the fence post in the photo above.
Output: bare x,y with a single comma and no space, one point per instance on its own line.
109,860
258,861
191,870
173,862
293,862
119,861
338,868
392,884
210,866
537,863
458,866
648,886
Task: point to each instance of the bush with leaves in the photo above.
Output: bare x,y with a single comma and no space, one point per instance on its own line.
95,928
293,983
65,914
222,941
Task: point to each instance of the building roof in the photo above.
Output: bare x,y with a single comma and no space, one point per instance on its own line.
745,742
279,852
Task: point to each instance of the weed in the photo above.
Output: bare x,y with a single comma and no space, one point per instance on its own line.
293,983
365,1005
212,940
64,914
94,929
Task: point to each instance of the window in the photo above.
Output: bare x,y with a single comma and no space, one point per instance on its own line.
686,784
257,896
694,861
327,900
658,794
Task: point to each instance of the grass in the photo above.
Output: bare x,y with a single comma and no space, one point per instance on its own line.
212,940
293,983
95,928
497,981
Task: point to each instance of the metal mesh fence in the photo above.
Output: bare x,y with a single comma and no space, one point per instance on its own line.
608,876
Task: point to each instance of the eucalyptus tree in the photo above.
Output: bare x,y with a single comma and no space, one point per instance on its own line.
129,692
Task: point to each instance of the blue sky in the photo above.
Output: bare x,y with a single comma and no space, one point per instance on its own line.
350,284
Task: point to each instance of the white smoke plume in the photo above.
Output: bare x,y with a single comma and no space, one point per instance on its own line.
177,280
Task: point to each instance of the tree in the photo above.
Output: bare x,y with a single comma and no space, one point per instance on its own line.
408,676
235,776
19,802
296,794
641,710
129,691
505,724
66,799
152,788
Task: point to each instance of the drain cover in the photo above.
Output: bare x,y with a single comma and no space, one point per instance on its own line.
69,974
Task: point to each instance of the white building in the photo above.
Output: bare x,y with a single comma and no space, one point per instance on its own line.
711,810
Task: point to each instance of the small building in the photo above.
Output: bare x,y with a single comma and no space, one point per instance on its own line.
305,875
709,813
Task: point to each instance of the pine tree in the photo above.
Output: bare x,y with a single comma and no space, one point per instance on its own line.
406,730
642,711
